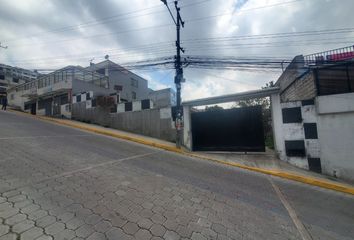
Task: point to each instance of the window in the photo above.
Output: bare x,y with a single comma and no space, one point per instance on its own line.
118,87
292,115
2,77
101,71
64,99
128,106
295,148
134,82
40,83
60,76
133,95
53,78
15,80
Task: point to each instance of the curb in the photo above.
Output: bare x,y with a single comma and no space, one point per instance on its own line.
115,135
286,175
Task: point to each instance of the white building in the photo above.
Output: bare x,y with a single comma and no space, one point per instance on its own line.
128,85
12,76
52,94
163,98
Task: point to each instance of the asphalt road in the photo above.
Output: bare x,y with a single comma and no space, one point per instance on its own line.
61,183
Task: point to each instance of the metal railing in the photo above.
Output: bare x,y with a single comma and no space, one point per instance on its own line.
331,56
65,74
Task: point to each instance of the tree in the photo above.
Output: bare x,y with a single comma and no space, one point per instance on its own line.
264,102
267,118
214,108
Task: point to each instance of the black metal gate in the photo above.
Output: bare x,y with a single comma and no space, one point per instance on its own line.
237,129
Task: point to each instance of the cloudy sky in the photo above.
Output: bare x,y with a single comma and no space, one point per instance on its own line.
50,34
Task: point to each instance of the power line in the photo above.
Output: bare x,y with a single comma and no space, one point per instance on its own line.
243,10
106,20
277,35
68,28
160,26
98,35
226,79
200,42
152,50
193,62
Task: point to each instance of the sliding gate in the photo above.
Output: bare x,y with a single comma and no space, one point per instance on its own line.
237,129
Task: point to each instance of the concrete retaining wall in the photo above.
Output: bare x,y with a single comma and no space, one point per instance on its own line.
150,122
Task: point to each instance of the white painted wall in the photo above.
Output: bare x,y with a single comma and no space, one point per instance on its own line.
67,84
336,134
136,106
338,103
277,125
65,110
121,107
88,104
293,131
187,131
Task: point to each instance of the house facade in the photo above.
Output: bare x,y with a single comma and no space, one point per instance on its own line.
12,76
163,98
52,94
314,113
128,85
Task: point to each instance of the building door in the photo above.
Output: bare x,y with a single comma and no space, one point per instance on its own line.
48,107
56,106
33,108
237,129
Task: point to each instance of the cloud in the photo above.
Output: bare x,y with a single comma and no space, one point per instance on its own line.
26,26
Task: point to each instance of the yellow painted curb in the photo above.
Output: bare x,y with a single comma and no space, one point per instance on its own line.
290,176
286,175
113,134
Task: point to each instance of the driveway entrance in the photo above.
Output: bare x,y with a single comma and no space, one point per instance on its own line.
237,129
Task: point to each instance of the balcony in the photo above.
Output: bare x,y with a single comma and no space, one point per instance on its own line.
330,57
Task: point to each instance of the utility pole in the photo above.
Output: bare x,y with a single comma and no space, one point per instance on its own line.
179,73
1,46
